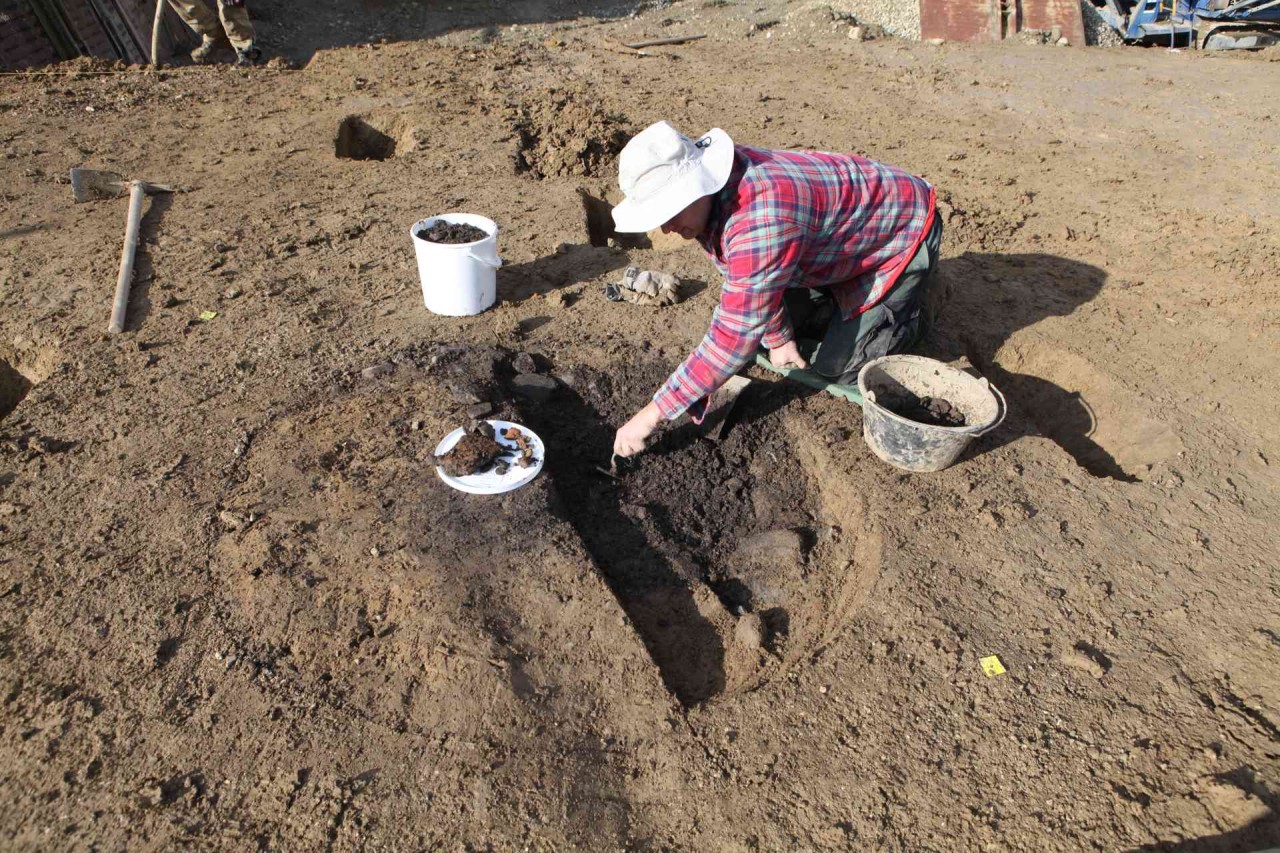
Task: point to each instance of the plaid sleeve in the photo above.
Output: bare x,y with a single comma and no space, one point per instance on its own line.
760,262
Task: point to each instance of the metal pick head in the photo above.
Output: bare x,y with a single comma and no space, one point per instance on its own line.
92,184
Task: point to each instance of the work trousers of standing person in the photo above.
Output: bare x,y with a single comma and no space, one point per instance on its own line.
891,326
235,20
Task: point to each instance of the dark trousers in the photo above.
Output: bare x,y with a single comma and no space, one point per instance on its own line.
891,326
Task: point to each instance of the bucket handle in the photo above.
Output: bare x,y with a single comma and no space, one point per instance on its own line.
1004,407
494,262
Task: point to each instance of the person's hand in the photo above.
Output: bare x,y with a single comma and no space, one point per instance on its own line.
630,438
787,355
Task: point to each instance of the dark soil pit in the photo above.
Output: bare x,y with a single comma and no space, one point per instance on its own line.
672,526
931,411
451,232
359,140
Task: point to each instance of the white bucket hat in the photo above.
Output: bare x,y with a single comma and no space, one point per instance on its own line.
662,171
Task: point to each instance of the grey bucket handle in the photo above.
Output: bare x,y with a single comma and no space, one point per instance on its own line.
1004,408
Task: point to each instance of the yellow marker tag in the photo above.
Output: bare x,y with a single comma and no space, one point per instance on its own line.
991,666
208,315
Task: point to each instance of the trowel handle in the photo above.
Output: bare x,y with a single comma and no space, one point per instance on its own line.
121,303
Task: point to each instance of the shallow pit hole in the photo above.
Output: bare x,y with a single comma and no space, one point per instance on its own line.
359,140
597,217
362,138
14,387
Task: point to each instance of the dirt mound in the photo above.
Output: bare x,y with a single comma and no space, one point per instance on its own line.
566,134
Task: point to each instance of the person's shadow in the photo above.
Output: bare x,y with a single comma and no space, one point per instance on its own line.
1262,833
977,304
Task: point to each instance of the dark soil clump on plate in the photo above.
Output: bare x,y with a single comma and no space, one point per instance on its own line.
475,452
451,232
932,411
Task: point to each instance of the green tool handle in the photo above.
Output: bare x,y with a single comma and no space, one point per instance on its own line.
811,379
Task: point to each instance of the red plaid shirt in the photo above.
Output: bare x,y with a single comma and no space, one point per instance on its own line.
797,219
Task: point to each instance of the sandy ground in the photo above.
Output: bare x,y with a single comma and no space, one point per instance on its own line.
239,611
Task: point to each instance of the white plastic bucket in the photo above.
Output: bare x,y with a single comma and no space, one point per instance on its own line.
458,279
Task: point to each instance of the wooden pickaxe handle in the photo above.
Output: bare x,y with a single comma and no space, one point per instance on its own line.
137,189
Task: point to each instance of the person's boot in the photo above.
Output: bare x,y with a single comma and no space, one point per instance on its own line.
203,54
248,56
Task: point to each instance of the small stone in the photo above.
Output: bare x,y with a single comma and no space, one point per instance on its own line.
384,368
557,299
937,42
416,426
856,33
1063,42
374,552
230,520
465,393
782,547
232,293
750,631
524,363
479,410
534,387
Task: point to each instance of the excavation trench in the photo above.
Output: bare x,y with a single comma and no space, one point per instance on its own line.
693,536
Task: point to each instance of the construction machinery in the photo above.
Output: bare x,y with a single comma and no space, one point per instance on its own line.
1208,24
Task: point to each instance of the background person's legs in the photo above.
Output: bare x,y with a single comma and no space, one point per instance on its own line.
235,20
892,326
197,15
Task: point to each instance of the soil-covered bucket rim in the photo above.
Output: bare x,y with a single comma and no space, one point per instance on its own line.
869,398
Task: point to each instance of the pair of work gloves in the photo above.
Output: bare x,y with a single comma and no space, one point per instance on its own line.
644,287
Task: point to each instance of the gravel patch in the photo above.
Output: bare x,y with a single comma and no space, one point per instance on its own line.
1097,32
898,17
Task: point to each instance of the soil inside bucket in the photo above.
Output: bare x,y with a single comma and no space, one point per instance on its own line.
451,232
931,411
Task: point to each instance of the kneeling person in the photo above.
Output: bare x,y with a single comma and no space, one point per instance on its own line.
794,233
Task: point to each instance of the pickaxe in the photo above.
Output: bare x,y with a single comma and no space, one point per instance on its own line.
91,184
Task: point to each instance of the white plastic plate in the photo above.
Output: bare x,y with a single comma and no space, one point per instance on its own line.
490,482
